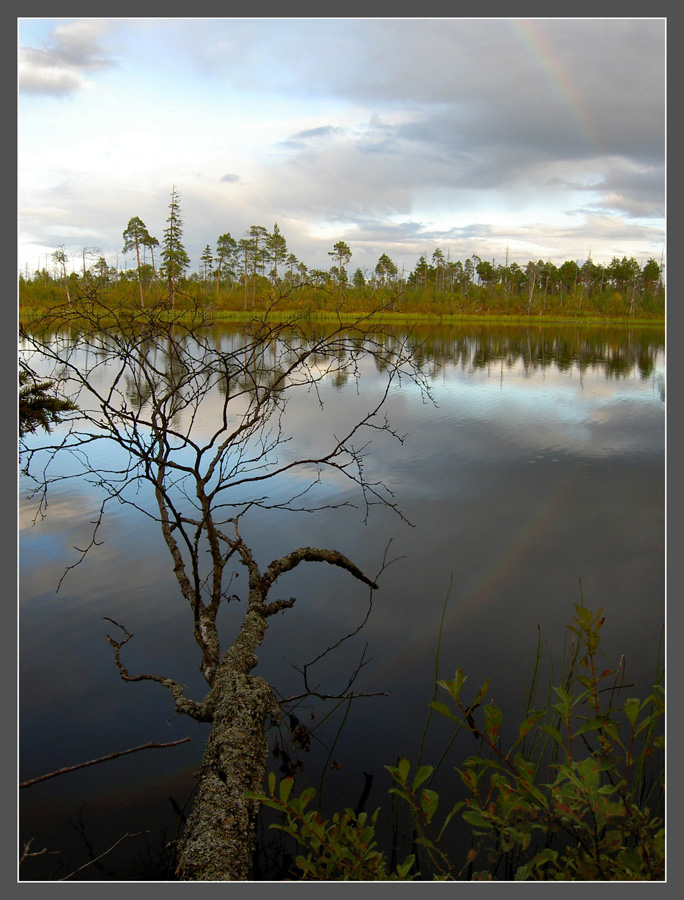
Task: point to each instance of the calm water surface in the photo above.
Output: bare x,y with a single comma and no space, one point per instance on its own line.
534,479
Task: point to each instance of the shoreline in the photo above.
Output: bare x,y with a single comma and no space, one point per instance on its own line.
27,315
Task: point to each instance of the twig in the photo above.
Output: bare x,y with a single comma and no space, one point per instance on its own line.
27,853
91,762
97,858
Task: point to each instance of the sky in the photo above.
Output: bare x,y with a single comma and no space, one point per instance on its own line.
528,138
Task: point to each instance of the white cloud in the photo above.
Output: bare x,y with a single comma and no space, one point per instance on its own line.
61,67
471,134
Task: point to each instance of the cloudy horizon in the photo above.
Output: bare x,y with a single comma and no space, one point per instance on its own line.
540,139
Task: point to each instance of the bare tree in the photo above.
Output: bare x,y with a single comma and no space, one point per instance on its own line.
143,380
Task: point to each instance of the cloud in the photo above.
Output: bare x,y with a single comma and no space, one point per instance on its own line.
636,190
321,131
61,67
395,135
301,138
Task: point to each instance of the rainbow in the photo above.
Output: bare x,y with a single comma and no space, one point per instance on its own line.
514,552
534,39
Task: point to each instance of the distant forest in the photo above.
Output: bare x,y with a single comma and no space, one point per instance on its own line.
248,273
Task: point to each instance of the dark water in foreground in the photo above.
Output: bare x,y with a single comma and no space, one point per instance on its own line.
538,474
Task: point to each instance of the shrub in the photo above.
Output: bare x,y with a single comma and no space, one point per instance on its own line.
578,796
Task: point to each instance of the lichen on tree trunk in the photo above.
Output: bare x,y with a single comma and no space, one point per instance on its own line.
218,843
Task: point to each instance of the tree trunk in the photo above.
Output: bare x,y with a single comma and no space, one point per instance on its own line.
219,839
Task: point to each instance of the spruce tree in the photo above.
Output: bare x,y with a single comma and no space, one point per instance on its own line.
174,258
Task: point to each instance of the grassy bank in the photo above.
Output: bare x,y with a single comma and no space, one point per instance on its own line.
30,313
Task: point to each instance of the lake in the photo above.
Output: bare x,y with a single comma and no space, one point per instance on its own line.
533,479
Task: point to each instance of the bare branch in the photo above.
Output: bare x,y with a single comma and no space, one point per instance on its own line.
191,708
92,762
27,853
203,425
313,554
102,855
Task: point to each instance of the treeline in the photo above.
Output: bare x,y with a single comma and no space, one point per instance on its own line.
247,272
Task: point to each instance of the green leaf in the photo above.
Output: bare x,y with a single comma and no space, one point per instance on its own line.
306,797
457,807
529,723
492,764
493,720
443,709
473,817
286,786
554,733
454,687
428,803
303,864
266,801
425,842
481,693
403,869
423,773
271,783
402,794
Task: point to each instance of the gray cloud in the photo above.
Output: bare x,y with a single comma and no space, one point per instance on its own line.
485,101
638,191
302,138
411,112
322,131
62,66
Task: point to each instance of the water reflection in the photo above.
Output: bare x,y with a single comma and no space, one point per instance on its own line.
617,352
540,465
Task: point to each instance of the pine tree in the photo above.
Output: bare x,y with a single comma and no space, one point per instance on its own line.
258,236
225,249
174,258
341,254
277,249
207,261
136,236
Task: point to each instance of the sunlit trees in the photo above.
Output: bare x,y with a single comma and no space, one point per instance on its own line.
625,274
651,275
207,263
136,236
257,237
291,270
421,272
341,254
439,265
549,275
103,272
150,244
225,250
262,256
277,249
486,272
175,259
385,270
532,271
245,248
569,274
359,279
